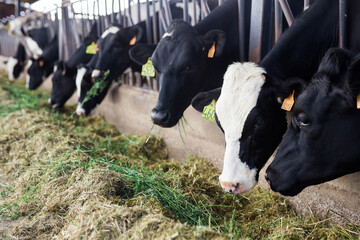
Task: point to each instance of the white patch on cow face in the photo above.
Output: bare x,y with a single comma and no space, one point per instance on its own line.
34,48
15,27
27,77
236,175
239,94
112,30
79,110
55,69
168,34
95,73
10,67
79,77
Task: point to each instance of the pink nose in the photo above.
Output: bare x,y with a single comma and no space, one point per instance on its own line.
229,187
80,113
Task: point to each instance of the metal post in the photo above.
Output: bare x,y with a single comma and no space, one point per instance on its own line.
154,23
195,20
167,12
82,22
18,8
162,23
342,23
287,11
257,9
241,16
205,8
99,20
148,24
278,20
306,4
138,11
267,27
186,10
120,15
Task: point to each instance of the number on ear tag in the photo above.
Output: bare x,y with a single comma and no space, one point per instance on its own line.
358,101
133,41
211,52
148,69
92,48
288,102
209,112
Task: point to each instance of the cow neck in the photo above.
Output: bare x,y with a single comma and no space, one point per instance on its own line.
300,49
51,51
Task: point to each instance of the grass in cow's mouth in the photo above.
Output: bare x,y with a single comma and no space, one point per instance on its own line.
78,178
95,90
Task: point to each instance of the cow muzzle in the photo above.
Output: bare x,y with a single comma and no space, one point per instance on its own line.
160,118
96,74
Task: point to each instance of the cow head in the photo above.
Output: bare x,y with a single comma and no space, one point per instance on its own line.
63,84
321,142
36,73
249,114
114,45
181,59
14,68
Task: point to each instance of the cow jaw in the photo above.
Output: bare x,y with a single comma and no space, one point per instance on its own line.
236,176
239,94
10,66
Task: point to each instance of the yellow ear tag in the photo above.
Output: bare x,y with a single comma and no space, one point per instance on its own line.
92,48
209,112
8,26
41,63
133,41
288,102
148,69
358,101
211,52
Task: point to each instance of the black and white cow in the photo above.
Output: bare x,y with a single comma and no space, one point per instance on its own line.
321,142
65,72
248,109
43,66
16,64
114,46
183,62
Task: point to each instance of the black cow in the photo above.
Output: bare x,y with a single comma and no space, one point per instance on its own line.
183,63
65,72
248,109
43,66
321,142
16,64
114,46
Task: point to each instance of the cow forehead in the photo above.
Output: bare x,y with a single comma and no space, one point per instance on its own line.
239,95
112,30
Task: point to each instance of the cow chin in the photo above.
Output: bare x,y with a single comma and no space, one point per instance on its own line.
164,118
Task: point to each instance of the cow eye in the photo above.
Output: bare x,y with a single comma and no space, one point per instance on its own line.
302,120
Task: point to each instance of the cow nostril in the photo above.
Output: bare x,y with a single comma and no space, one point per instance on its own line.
159,117
230,190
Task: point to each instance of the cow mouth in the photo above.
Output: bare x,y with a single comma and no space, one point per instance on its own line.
163,118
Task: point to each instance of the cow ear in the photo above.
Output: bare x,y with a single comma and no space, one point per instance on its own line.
214,43
353,76
136,34
335,64
291,86
141,52
40,62
205,98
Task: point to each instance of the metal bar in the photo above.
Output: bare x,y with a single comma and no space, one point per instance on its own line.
205,8
287,11
195,20
241,32
167,12
342,23
138,11
113,12
18,8
162,21
74,29
267,27
278,21
186,11
148,24
154,23
120,15
82,22
306,4
257,8
220,2
99,20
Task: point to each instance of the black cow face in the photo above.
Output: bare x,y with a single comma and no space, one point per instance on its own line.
321,143
181,59
63,85
36,73
114,46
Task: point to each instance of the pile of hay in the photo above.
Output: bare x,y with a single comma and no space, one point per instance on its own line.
67,177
